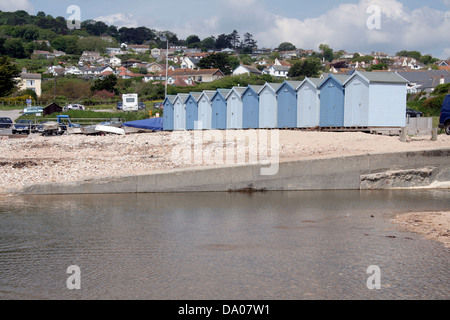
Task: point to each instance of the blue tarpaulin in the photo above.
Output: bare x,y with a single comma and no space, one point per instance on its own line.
155,124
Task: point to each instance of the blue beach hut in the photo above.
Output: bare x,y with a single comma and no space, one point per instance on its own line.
205,109
179,112
219,109
308,103
268,106
375,99
332,101
168,113
192,110
287,104
234,108
250,104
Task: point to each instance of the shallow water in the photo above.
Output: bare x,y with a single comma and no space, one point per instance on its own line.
274,245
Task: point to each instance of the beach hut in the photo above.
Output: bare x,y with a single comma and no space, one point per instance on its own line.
192,110
179,112
168,113
268,106
219,109
375,99
205,109
332,99
250,104
235,108
308,103
287,104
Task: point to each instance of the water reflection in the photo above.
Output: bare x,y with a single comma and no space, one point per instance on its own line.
280,245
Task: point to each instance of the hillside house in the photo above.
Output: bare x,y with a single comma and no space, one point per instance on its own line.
31,81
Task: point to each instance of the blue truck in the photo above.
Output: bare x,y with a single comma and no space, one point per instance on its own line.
444,120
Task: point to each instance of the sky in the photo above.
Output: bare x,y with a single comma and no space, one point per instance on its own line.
353,25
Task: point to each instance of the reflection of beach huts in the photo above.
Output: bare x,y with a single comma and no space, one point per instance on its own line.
179,112
219,109
168,113
287,104
332,99
268,106
375,99
308,103
192,110
250,105
235,108
205,109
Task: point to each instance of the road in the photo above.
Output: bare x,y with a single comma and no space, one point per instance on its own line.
13,114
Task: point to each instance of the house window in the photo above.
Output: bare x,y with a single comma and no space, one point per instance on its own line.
30,83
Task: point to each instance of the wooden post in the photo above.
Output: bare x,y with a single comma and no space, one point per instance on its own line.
403,135
434,134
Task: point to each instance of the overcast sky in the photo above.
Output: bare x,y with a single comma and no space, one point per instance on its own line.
342,24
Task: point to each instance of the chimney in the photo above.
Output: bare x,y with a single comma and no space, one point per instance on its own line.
442,80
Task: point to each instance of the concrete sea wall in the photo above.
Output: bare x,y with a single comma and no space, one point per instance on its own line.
420,169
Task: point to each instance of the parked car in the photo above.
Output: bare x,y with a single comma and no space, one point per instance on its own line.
23,126
413,113
119,105
444,119
74,107
158,105
142,106
32,110
6,123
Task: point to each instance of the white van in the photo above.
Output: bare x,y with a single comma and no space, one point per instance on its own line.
130,102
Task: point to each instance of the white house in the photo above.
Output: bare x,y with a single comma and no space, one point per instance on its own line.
245,70
30,81
277,71
189,63
115,61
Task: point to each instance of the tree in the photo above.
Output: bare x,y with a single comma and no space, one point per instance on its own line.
410,54
308,67
92,44
223,41
248,43
68,44
14,48
108,83
327,52
192,39
8,73
221,61
286,46
208,43
235,39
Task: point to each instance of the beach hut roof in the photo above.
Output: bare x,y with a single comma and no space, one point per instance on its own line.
293,84
238,90
379,77
273,86
340,78
208,94
222,92
170,98
314,81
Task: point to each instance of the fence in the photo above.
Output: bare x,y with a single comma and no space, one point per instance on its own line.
419,126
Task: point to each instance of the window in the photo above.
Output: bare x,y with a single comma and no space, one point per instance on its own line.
30,83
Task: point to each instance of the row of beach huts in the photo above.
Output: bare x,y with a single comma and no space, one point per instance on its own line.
362,99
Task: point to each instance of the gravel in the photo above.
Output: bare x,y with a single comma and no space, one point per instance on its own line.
70,158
